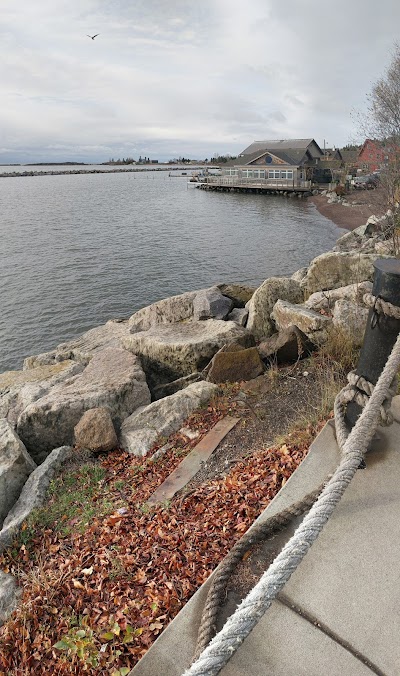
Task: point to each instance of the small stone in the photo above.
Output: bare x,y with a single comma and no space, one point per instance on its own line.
96,431
190,434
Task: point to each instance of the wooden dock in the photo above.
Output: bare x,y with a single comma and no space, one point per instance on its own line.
264,186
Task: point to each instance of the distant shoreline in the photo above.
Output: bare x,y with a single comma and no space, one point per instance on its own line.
111,170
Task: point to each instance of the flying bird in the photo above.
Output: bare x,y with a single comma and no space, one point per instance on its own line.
92,37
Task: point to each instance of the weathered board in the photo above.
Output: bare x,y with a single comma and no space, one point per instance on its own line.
193,462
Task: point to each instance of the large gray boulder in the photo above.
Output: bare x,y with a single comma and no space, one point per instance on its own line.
140,431
18,389
15,467
351,318
114,378
352,241
325,300
335,269
33,494
166,311
84,347
259,322
314,325
211,304
170,351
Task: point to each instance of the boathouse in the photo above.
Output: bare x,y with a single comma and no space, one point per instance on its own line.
280,164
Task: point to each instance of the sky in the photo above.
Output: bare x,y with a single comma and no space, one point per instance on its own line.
180,78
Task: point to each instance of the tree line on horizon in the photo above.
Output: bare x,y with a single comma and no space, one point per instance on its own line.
217,159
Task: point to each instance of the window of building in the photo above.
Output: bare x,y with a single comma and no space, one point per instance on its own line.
285,174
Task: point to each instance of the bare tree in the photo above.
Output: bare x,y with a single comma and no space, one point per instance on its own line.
385,100
383,123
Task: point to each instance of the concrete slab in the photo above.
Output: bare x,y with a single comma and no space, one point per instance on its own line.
292,647
348,582
350,577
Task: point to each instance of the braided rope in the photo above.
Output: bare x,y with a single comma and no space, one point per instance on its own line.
381,306
222,575
354,445
359,389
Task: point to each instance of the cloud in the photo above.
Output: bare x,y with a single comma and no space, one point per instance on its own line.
206,77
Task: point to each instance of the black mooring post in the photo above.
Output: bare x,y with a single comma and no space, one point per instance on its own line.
381,331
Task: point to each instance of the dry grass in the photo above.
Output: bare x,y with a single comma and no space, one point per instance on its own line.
330,366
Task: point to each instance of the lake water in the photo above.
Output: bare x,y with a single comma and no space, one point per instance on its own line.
78,250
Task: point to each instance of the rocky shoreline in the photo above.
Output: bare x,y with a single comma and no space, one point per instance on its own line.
127,383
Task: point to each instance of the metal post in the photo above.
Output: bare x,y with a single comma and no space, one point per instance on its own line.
381,331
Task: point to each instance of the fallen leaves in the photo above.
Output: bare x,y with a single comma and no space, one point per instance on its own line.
99,597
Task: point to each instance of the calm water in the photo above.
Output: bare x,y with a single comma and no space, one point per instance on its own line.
78,250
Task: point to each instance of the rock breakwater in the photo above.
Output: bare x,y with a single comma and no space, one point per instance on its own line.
143,376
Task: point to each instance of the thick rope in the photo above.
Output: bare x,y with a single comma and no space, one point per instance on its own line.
240,624
381,306
259,533
359,390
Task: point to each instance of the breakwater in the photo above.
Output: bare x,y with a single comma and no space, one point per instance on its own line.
65,172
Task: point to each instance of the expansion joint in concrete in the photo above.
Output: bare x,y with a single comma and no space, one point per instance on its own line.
308,617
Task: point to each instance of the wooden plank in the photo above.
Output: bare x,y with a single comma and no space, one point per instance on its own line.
193,462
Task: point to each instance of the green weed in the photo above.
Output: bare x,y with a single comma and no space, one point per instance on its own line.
70,503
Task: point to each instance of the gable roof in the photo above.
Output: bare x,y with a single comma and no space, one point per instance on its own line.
244,160
298,144
332,154
349,155
377,145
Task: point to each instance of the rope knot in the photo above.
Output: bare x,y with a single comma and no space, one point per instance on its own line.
381,306
359,389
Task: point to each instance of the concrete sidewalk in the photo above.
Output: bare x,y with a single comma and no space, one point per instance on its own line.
339,614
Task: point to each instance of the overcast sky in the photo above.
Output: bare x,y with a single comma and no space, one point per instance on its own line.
170,78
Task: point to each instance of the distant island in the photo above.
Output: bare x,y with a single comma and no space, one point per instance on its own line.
49,164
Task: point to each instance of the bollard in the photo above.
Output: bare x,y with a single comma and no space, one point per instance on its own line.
381,331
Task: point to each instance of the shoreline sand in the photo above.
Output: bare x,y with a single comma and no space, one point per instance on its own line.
366,204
